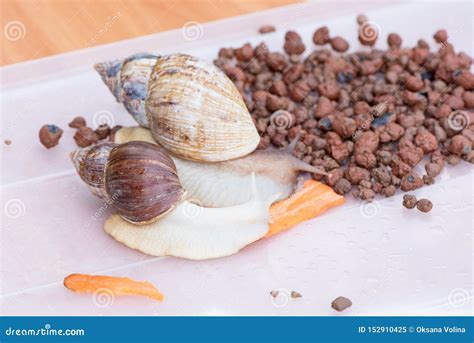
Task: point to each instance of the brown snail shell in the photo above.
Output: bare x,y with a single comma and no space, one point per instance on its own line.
142,182
139,179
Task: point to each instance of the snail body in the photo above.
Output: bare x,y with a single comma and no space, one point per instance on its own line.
195,232
138,178
191,107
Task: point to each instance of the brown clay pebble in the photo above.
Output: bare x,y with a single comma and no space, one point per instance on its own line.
409,201
295,294
85,136
102,131
339,44
293,43
321,36
411,182
266,29
343,186
77,122
50,135
460,145
274,293
341,303
394,40
369,117
7,142
424,205
441,36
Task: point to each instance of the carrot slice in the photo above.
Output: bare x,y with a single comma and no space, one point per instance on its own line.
312,200
83,283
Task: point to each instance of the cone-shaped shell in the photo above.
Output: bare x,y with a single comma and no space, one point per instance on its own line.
128,82
195,111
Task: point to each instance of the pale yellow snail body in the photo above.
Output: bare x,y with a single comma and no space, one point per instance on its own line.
191,107
140,182
195,232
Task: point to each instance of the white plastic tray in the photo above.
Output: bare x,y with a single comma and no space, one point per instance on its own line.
386,259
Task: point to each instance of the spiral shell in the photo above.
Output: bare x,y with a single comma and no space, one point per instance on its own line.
191,107
142,182
195,111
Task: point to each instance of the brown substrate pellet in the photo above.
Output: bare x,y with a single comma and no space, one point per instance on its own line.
85,136
77,122
368,118
341,303
295,294
424,205
49,135
409,201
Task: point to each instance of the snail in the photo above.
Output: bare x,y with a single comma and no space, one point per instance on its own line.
138,178
194,113
140,181
191,107
226,183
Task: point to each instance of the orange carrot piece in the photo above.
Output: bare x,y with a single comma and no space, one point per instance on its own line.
84,283
309,202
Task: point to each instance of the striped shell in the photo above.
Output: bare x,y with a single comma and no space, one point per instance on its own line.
128,82
138,179
195,111
141,181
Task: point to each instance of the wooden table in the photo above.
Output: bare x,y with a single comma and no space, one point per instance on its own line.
38,28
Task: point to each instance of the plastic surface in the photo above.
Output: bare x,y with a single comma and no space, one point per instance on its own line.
386,259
